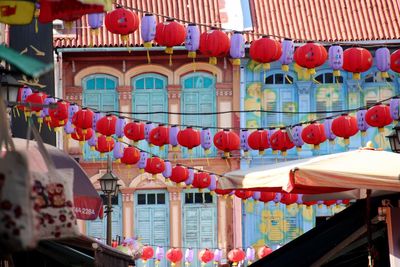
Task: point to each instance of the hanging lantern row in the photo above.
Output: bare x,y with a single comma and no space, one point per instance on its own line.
216,43
100,131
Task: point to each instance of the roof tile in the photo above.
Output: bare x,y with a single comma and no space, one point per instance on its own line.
320,20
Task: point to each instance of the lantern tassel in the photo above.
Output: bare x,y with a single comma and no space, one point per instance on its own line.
236,62
311,71
192,54
148,45
213,61
36,15
356,76
170,60
285,68
336,73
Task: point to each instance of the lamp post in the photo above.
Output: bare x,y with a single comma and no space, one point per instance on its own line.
108,184
9,86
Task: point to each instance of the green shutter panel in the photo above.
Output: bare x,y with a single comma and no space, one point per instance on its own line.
287,101
109,101
160,226
116,218
144,224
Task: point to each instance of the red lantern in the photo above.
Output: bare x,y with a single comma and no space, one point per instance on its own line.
174,255
227,141
265,51
179,174
83,118
106,125
236,255
104,145
289,199
134,131
60,113
356,60
310,56
36,100
82,135
258,140
264,251
159,136
189,138
213,44
378,116
243,194
154,166
22,94
330,202
223,192
346,201
206,255
169,34
314,134
310,203
201,180
122,21
280,141
147,253
345,126
131,155
395,61
267,196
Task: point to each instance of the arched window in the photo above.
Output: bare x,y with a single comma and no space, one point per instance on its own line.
329,94
99,93
198,96
149,94
279,94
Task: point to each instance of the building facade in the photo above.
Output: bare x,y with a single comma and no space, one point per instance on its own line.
110,77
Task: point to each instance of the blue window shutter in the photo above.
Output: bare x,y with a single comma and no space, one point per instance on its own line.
149,95
99,93
198,96
96,229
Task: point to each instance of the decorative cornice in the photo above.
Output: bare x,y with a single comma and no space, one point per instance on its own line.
174,196
304,87
174,95
124,95
224,92
127,197
73,97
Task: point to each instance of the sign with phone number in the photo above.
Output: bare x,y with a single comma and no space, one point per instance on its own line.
84,211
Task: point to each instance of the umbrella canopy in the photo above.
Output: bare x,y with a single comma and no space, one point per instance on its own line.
87,202
359,169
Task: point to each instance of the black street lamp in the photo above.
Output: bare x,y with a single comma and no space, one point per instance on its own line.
108,184
9,86
394,140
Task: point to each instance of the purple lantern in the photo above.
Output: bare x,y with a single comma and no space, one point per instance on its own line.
25,91
336,59
192,41
206,140
173,137
394,109
142,161
256,195
147,129
148,29
118,151
361,123
287,54
50,100
237,50
119,128
92,142
213,183
148,32
217,255
277,198
250,255
190,178
328,130
159,254
296,137
168,170
95,20
382,61
189,255
244,145
96,116
72,109
68,128
299,199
